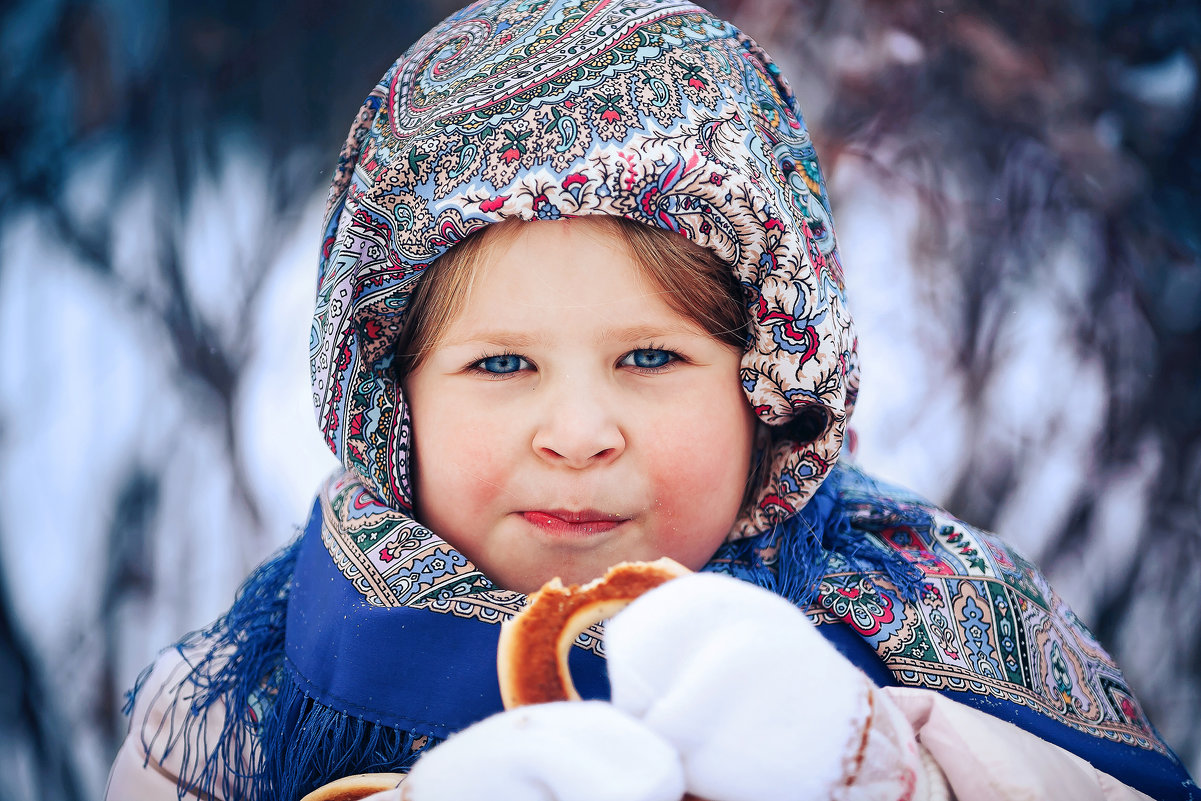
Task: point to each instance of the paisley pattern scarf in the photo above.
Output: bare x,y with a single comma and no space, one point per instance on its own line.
371,638
652,111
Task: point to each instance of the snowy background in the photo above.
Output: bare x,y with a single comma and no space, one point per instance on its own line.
1016,194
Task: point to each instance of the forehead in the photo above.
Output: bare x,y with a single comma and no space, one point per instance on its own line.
559,237
556,274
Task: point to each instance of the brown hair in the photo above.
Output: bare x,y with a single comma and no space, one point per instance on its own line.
695,283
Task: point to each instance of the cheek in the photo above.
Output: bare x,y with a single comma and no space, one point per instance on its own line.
704,441
459,464
699,480
692,463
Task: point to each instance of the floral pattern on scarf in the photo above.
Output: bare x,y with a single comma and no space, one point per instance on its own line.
984,626
652,111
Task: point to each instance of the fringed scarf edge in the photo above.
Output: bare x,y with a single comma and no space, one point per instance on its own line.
276,742
792,558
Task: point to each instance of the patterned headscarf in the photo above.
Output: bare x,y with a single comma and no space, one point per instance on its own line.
651,110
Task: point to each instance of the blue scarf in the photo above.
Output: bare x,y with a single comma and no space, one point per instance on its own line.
323,684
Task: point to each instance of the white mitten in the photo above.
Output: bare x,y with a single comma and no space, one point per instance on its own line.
757,703
570,751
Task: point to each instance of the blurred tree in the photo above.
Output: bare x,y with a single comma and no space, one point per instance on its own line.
1053,149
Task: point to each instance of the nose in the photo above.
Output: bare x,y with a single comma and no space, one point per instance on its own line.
578,425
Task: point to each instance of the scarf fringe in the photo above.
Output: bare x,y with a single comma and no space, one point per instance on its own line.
233,663
276,742
791,558
308,744
889,507
903,577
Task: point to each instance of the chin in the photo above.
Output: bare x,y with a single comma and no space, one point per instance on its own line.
533,579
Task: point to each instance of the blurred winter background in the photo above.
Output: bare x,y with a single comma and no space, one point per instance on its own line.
1016,188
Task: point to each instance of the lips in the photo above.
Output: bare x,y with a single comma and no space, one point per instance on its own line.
564,522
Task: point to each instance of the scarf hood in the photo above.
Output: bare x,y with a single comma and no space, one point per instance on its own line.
652,111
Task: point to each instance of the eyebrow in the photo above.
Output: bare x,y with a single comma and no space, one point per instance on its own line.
637,332
505,339
523,339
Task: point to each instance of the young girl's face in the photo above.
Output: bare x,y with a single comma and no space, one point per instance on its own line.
568,419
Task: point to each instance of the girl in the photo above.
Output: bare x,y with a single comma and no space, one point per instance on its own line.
632,341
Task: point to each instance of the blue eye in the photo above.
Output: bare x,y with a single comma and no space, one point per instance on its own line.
500,365
648,358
